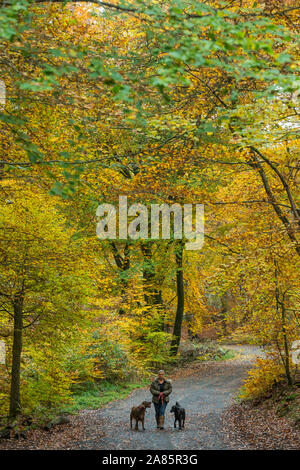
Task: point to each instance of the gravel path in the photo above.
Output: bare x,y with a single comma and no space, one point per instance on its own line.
204,390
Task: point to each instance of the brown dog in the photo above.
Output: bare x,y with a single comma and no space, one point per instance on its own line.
138,413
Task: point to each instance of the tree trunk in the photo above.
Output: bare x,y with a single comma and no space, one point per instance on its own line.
223,312
15,403
189,318
180,301
286,358
286,346
291,233
152,295
123,263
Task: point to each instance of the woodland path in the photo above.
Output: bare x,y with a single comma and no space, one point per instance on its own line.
205,390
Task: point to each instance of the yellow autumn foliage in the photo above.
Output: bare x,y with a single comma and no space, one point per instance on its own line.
261,378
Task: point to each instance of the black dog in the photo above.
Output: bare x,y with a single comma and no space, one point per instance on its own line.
179,413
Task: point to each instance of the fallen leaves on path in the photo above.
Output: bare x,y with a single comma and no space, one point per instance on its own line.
61,437
259,427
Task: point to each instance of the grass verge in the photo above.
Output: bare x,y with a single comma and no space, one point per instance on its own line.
93,396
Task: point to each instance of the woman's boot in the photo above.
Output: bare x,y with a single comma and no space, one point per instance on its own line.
157,421
161,422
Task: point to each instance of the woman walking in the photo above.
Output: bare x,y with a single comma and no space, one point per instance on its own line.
160,389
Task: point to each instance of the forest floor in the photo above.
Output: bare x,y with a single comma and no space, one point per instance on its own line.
214,420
